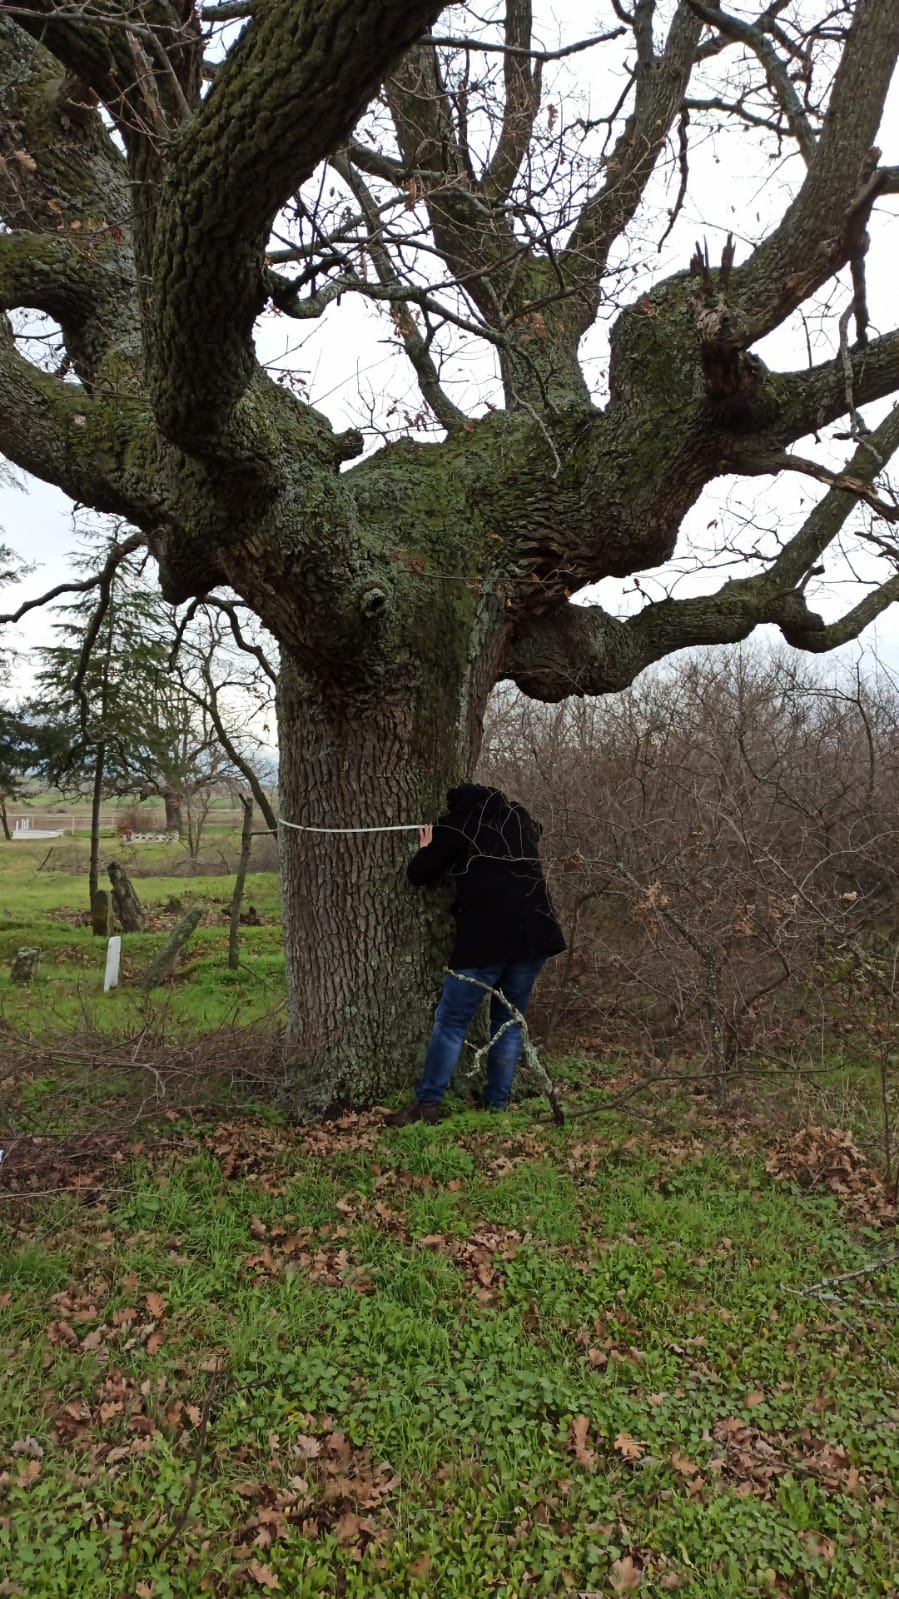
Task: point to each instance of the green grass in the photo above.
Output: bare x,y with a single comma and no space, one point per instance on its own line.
485,1357
476,1358
43,907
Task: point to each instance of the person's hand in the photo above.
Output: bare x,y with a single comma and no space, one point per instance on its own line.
425,836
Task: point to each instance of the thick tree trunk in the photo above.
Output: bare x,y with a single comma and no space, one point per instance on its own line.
4,819
174,822
101,914
364,950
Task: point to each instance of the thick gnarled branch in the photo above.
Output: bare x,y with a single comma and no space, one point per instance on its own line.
582,650
288,94
143,62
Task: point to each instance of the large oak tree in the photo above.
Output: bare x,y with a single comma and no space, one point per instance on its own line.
155,167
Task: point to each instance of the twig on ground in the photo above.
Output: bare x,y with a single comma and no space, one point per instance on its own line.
531,1058
822,1290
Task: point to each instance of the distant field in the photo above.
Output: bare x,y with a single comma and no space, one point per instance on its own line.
77,811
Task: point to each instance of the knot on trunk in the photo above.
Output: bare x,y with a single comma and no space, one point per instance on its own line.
373,602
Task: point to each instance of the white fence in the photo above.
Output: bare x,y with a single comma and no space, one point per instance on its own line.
36,826
38,822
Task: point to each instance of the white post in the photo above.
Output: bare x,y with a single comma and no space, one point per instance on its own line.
113,954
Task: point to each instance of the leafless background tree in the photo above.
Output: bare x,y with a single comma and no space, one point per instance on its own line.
722,843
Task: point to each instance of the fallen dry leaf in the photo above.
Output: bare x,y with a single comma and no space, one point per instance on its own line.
348,1527
625,1575
421,1568
754,1399
59,1332
579,1430
155,1305
28,1448
264,1575
681,1464
628,1447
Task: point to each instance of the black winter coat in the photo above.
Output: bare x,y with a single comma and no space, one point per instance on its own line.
490,847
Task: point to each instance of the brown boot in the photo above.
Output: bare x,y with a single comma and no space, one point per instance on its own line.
416,1112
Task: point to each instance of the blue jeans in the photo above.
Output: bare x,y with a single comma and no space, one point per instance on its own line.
458,1004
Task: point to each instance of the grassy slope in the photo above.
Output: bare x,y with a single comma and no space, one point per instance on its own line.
407,1329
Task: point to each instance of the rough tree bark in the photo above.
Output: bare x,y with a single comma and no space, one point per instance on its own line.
101,914
401,588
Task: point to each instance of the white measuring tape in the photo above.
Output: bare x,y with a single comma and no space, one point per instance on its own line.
401,827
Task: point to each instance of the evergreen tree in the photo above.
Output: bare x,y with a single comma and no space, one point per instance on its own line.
19,754
116,720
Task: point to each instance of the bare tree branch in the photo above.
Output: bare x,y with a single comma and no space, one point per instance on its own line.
416,347
583,650
117,554
803,401
449,42
830,213
781,461
661,85
521,104
229,611
755,36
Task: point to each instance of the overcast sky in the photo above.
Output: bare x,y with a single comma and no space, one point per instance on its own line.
348,355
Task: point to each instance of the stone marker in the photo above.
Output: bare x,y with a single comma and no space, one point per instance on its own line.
165,960
113,956
101,914
128,907
25,965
